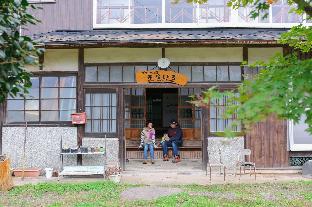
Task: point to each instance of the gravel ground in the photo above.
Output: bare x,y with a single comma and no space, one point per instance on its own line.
147,193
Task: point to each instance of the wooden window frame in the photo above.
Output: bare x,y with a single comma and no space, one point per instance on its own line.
101,134
41,75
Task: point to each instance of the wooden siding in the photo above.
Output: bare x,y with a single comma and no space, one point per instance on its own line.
268,143
62,15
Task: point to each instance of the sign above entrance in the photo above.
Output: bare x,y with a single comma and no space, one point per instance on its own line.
161,76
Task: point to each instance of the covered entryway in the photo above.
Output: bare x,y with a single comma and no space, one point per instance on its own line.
160,105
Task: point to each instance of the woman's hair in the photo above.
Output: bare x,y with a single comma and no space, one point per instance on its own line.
146,124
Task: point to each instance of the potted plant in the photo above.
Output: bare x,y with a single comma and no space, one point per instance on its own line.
113,174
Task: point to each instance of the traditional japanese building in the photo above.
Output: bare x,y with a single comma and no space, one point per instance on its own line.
96,49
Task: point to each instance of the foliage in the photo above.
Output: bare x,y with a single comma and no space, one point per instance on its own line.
284,85
16,50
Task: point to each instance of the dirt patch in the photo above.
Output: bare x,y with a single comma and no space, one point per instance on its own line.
147,193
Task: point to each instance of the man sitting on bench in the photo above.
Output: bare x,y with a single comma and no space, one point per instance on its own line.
175,141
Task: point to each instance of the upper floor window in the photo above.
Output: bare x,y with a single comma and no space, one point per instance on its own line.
168,13
50,99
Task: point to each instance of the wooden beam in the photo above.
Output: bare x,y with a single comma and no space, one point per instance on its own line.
80,98
2,119
120,127
163,52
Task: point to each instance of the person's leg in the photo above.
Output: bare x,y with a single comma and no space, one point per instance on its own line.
151,148
165,148
175,148
145,153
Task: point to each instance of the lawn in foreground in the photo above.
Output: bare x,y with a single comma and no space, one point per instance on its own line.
108,194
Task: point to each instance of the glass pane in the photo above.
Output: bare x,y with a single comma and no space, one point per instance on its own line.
113,113
31,115
32,105
222,73
235,73
67,92
146,11
33,93
65,115
96,99
220,125
113,126
15,116
214,11
96,113
213,127
96,126
15,105
88,126
112,11
49,82
210,73
49,92
301,136
128,74
49,115
68,81
88,99
49,104
140,68
280,13
180,12
185,113
197,74
103,73
67,104
91,74
88,112
34,82
116,74
186,70
213,112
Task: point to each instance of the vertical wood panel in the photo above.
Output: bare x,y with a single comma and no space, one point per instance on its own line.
268,142
62,15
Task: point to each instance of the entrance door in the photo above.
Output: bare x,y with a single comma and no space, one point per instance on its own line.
162,107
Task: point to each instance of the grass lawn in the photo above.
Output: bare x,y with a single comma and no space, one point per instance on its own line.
108,194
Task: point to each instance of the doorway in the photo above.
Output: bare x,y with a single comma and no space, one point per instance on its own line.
162,107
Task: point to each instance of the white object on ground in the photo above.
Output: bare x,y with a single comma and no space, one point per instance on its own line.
48,172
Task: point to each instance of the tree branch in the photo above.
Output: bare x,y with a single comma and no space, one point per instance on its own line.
302,4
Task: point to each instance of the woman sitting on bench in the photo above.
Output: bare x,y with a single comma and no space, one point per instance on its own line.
148,141
175,141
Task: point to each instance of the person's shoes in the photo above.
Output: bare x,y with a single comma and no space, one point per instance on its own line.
166,158
152,161
176,159
144,162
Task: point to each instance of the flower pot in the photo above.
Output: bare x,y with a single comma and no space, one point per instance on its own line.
115,178
28,172
48,172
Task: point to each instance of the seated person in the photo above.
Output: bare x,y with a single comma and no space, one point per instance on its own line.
148,141
175,141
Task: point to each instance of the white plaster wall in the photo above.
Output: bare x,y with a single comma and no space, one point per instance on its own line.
208,54
119,55
42,145
60,60
262,54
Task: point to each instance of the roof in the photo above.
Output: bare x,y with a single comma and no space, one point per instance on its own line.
119,37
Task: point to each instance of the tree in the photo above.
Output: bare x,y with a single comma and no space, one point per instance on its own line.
283,86
16,51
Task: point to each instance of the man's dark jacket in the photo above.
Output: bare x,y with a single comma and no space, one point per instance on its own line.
176,135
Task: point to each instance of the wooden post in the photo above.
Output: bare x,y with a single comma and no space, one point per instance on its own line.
80,99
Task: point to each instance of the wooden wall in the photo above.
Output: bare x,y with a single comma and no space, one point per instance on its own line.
268,143
62,15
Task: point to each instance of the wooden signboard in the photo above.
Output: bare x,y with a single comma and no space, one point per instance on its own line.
161,76
79,118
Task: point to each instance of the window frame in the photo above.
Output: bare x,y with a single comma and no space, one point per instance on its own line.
42,1
291,142
101,90
56,123
233,21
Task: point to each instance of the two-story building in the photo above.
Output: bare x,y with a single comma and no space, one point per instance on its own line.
95,48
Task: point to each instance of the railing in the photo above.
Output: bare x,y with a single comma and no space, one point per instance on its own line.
215,13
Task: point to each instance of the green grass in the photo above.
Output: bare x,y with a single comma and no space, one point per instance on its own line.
106,193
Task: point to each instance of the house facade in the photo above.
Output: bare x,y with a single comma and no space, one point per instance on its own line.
94,50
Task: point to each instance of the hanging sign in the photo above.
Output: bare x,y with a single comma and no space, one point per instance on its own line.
79,118
161,76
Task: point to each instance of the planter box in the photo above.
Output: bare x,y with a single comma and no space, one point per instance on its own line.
28,172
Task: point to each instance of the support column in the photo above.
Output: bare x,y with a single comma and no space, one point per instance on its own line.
80,99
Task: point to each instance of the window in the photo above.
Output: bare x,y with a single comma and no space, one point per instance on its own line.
41,1
101,109
161,13
299,138
218,123
195,74
50,99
